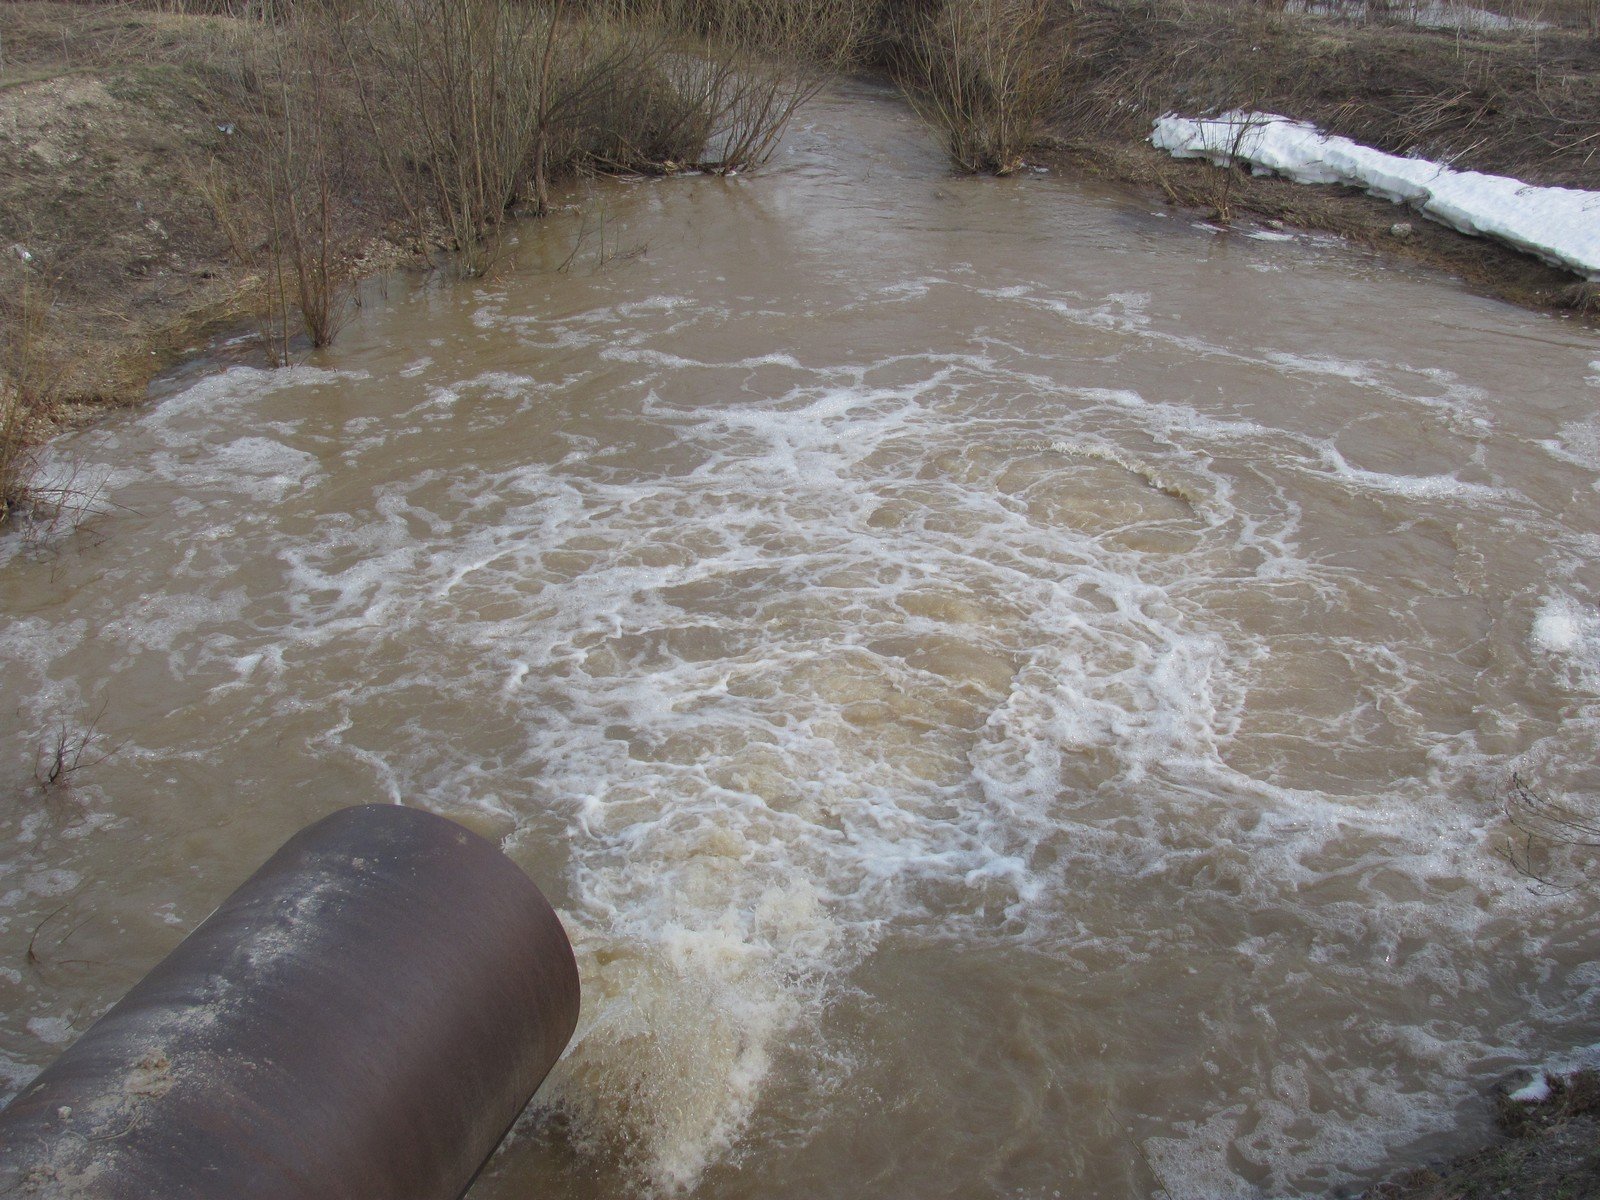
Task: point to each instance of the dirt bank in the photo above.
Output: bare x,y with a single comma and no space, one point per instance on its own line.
1381,227
1523,100
112,120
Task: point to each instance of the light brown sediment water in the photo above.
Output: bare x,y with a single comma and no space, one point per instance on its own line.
1011,690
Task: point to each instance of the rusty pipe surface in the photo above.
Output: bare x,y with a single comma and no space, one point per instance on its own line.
364,1018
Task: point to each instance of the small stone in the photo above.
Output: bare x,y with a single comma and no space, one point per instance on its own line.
21,252
64,1112
1400,229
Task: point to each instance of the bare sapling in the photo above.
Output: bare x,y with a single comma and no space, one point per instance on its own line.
746,66
12,452
1231,162
66,749
544,113
595,227
281,198
308,264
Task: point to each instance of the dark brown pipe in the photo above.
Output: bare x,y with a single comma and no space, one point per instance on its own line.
364,1018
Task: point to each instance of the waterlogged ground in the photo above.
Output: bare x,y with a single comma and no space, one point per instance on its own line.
1011,691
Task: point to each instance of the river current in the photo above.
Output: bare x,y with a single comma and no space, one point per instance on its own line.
1011,690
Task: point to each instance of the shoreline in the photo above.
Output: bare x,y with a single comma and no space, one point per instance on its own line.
1390,230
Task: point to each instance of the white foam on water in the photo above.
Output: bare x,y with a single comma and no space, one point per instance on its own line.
1419,487
1578,444
236,386
850,666
942,647
54,1031
725,673
1570,631
1465,406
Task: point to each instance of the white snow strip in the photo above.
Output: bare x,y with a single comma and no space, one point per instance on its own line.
1559,225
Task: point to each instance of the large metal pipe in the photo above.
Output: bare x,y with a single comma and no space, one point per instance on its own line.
362,1020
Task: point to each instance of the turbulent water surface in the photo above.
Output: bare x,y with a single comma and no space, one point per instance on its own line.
1011,691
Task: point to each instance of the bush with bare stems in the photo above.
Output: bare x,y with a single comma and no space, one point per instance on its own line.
986,75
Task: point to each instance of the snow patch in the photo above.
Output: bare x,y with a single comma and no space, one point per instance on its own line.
1559,225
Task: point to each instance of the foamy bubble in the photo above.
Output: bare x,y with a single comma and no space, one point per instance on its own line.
1571,631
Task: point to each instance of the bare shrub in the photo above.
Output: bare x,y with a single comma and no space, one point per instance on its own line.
66,749
597,237
283,196
985,75
470,109
454,88
740,69
1217,187
284,217
305,157
612,104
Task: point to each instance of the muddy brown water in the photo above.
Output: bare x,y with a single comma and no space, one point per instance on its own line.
1011,690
